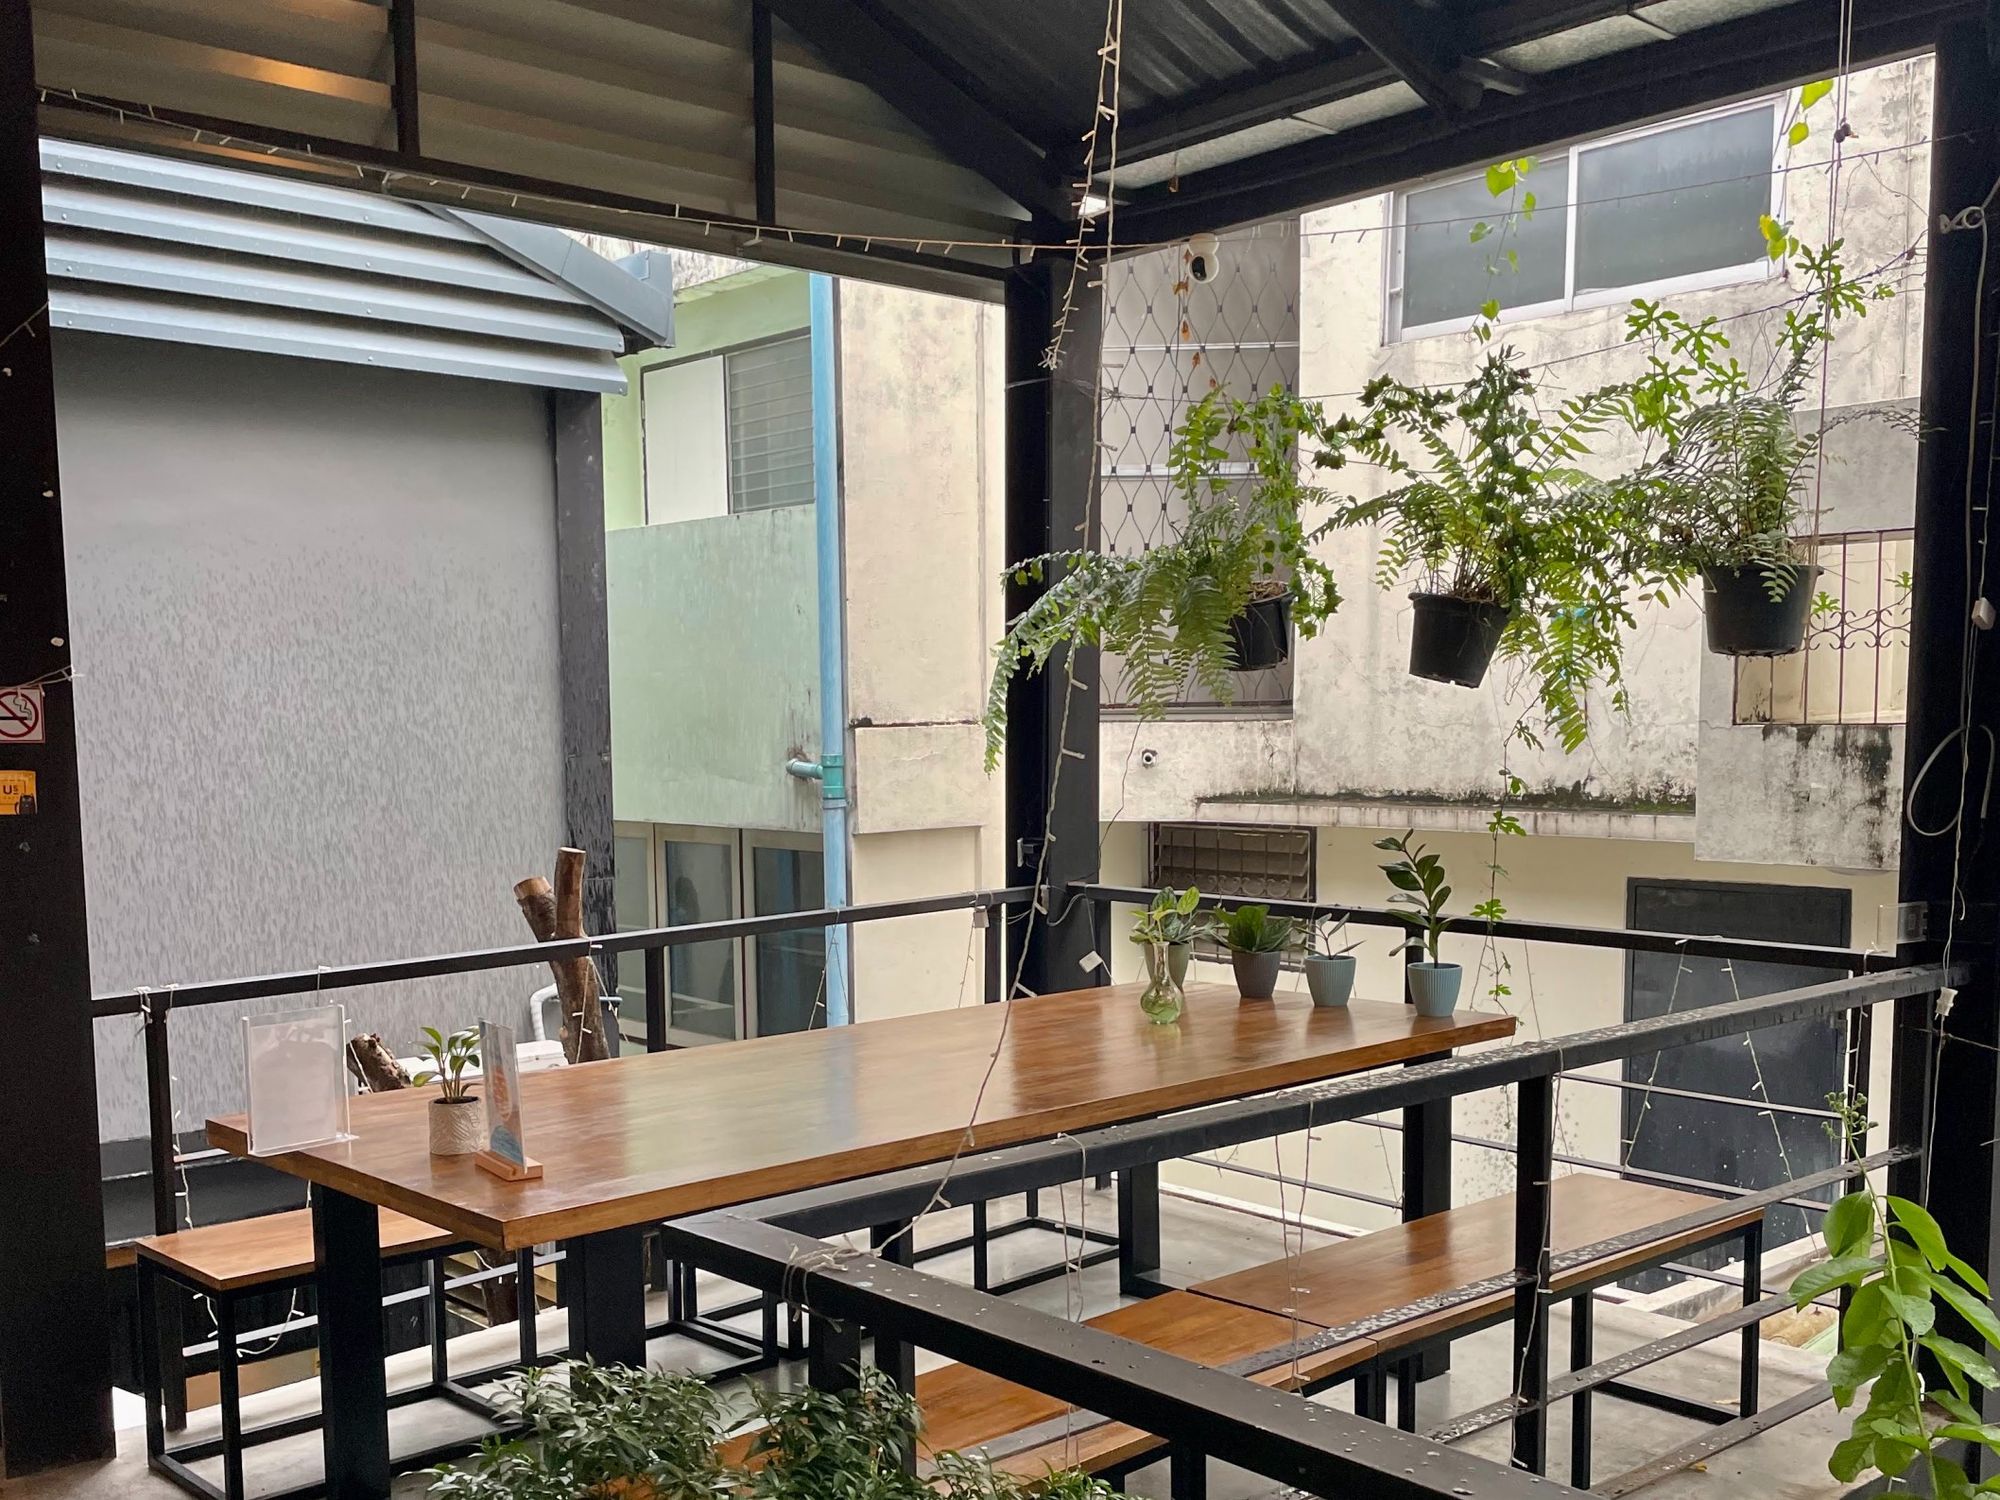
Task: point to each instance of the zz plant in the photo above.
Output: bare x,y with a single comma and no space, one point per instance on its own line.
1166,611
1889,1253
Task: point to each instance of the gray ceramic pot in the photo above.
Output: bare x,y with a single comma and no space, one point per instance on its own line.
1177,961
1330,978
1435,987
1256,974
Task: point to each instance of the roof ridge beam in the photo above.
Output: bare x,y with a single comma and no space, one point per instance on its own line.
1416,45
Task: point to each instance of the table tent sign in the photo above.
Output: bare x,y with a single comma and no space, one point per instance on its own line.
505,1156
295,1071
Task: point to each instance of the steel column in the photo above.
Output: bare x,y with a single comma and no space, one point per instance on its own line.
607,1296
1536,1127
55,1338
354,1389
1948,1092
1052,484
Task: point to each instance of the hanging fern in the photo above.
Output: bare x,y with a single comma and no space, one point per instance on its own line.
1166,612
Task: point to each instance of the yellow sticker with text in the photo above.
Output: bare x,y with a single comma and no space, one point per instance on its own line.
17,794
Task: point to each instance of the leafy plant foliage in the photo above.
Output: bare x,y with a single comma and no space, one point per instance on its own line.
449,1057
1890,1253
1420,889
1252,929
1174,917
1166,611
628,1434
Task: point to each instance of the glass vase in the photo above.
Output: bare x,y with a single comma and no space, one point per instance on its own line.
1163,1000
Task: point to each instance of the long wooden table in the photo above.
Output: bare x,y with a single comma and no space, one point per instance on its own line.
630,1142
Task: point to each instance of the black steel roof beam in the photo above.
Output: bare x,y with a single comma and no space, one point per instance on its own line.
859,46
1416,44
1732,60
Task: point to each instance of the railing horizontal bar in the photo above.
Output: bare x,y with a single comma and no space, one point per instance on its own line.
1635,940
1561,1387
395,971
1634,1085
1374,1199
1273,1433
1713,1442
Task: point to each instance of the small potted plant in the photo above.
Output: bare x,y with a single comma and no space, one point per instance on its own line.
1167,930
1419,900
1330,964
455,1121
1257,942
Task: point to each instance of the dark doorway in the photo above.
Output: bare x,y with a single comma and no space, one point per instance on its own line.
1798,1064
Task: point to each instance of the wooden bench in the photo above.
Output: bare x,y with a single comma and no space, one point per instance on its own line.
1231,1319
226,1263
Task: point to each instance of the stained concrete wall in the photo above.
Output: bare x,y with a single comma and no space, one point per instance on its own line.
1362,732
314,609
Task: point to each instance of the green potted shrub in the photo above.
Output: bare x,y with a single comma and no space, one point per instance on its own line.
1256,941
1419,899
457,1123
1727,487
1166,930
1330,964
1222,595
1514,549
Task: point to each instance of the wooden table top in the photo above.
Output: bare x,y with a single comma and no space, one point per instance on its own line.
662,1135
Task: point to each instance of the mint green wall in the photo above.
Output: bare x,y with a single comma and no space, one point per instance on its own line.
713,622
760,303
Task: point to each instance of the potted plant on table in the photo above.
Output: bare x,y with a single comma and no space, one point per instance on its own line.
1420,896
456,1121
1728,486
1166,930
1222,595
1330,965
1257,942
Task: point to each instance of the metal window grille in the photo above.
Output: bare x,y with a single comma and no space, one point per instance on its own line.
1168,341
1855,667
769,396
1248,864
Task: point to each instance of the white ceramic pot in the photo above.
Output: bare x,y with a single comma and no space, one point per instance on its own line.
458,1127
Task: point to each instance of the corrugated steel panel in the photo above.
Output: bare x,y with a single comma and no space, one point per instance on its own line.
149,248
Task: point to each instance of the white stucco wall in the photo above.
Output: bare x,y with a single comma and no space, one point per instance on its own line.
318,722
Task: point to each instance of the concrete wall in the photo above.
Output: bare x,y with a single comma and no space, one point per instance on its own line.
314,613
1361,731
920,392
1579,881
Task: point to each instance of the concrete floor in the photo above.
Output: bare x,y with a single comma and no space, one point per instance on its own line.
1201,1240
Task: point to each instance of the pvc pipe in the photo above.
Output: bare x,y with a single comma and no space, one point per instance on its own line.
832,639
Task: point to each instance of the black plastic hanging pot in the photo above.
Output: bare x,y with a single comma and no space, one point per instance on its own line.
1453,640
1743,618
1261,636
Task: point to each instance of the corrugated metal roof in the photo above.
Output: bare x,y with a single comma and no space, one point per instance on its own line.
152,248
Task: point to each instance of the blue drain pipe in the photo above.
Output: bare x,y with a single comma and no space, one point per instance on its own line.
832,640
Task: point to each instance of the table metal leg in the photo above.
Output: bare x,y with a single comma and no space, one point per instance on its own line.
1582,1330
607,1297
894,1357
229,1391
150,1383
833,1354
354,1394
1427,1190
1139,1230
1753,1293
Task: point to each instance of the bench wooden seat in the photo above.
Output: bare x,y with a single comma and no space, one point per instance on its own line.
270,1248
1344,1282
967,1409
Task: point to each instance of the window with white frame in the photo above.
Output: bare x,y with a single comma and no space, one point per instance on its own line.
730,432
1670,208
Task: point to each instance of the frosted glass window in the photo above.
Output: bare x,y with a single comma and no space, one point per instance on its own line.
1447,275
1674,203
771,425
701,887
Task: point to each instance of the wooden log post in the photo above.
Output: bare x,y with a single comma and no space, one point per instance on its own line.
554,913
374,1065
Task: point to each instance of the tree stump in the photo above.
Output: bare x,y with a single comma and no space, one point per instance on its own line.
555,913
374,1066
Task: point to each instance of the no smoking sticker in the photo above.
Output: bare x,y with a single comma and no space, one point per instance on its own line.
21,718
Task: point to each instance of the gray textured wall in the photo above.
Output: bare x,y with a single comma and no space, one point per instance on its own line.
315,625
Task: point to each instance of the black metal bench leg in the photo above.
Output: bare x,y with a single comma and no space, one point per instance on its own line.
607,1300
231,1396
768,1329
1187,1471
1582,1338
354,1400
1406,1392
1139,1230
981,1271
150,1383
1371,1394
1753,1291
439,1326
894,1357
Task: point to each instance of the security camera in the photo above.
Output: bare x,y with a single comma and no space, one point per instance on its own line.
1204,253
1149,757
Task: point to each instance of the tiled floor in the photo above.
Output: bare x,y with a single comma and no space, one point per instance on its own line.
1200,1240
